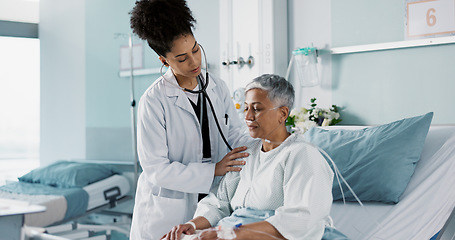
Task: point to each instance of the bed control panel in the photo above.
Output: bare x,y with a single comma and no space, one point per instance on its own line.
111,195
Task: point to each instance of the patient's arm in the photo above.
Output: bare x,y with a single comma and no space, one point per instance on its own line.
187,228
201,223
211,209
258,230
216,205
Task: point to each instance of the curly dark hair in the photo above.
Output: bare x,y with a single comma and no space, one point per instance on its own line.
160,22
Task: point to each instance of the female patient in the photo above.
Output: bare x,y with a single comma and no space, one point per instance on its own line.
284,190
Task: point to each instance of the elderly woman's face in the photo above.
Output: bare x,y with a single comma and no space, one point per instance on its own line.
261,116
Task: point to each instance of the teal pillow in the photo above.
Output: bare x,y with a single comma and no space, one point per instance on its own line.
377,162
66,174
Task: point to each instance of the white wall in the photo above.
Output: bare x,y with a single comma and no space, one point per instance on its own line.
19,11
67,122
64,67
206,13
309,22
62,37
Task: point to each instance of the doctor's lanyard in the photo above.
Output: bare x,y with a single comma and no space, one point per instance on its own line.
202,89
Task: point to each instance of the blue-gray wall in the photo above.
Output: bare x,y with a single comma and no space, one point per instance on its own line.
206,13
62,87
384,86
108,95
108,105
309,24
86,106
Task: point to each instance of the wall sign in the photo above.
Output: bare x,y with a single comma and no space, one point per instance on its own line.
429,18
125,57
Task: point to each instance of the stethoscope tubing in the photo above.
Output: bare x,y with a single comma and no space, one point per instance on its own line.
216,120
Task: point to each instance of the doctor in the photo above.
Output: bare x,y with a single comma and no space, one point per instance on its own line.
179,144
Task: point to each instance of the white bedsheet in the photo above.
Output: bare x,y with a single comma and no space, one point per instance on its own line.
425,205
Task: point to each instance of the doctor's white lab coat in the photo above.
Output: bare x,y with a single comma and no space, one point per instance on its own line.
170,153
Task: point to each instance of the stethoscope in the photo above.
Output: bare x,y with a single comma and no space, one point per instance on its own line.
202,90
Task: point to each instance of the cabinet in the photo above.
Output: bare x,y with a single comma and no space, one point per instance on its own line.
253,40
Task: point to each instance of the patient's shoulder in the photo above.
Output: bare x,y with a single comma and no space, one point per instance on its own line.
298,143
302,151
253,146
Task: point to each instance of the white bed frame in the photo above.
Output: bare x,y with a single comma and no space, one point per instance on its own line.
77,228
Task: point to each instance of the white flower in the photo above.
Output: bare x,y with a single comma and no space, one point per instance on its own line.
328,116
298,130
326,122
302,118
294,112
302,127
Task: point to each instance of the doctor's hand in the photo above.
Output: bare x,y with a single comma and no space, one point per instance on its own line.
228,163
178,230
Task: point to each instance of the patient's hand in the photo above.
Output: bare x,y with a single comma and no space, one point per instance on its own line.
209,235
227,163
178,230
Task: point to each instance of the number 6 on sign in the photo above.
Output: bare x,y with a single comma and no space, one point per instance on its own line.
430,18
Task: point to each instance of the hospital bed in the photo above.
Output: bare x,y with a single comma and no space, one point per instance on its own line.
424,207
69,190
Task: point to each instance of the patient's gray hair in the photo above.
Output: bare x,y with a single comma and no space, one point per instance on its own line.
280,91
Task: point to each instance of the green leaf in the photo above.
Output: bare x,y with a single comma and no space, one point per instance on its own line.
290,121
335,121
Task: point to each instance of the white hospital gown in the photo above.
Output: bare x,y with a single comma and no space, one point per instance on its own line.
293,179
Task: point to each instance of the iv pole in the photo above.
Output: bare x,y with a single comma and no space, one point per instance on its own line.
133,108
133,112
